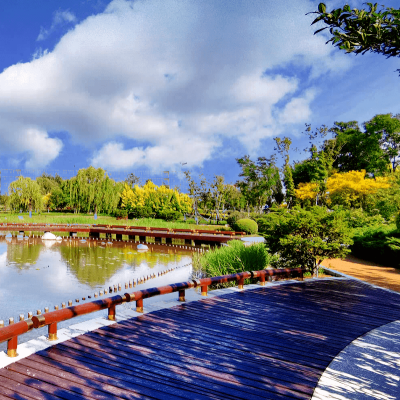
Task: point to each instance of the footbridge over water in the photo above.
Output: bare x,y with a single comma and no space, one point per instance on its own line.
190,236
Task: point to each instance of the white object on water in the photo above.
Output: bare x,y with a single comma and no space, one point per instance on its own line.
49,236
142,247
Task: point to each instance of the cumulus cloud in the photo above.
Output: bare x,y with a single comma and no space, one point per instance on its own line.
174,77
192,150
297,110
59,18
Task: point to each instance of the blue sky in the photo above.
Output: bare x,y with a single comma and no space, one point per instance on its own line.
149,85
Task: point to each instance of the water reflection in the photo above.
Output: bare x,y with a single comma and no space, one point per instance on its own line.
35,273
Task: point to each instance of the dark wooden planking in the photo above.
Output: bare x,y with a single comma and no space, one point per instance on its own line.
190,373
162,366
271,342
195,385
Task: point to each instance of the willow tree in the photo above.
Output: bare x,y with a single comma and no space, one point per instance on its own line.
24,193
109,195
92,189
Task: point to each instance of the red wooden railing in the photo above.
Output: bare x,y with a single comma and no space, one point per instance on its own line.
11,332
128,228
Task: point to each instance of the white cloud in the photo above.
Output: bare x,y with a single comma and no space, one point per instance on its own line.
59,18
298,109
192,151
138,68
41,148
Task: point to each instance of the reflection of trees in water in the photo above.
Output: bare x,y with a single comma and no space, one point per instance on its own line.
95,264
92,265
22,253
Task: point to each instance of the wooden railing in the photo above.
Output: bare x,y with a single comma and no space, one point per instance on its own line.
11,332
111,228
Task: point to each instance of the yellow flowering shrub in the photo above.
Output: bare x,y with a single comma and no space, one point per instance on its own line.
351,188
307,191
152,200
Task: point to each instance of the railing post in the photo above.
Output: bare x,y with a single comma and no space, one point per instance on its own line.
12,343
262,278
139,305
53,331
182,295
204,290
241,283
302,274
111,313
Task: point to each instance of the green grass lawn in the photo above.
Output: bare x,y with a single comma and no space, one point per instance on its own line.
69,218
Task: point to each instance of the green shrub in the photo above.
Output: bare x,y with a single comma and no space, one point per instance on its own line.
246,225
235,216
398,221
378,244
357,218
305,237
120,213
169,215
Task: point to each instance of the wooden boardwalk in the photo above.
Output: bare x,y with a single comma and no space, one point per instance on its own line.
94,231
267,343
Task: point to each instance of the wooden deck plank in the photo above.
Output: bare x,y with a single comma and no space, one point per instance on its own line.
272,342
269,367
150,365
192,382
181,372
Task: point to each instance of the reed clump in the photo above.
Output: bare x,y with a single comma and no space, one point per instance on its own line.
231,259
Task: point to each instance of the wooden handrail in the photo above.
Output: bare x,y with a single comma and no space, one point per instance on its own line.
11,332
125,227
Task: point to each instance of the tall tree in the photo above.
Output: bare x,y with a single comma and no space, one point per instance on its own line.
196,191
132,180
93,190
24,193
234,198
283,147
360,31
318,166
218,192
261,180
48,183
387,128
356,150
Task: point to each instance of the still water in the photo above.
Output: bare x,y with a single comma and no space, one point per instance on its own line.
36,273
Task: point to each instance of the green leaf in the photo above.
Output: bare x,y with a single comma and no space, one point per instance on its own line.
319,30
322,8
317,19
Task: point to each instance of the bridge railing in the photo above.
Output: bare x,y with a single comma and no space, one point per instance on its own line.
126,228
11,332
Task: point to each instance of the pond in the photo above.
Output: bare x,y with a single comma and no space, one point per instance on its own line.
36,273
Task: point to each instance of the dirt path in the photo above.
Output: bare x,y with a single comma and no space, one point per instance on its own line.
367,271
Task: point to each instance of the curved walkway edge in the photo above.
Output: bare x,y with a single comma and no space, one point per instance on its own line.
367,369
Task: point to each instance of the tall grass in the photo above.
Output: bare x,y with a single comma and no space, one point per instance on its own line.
231,259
